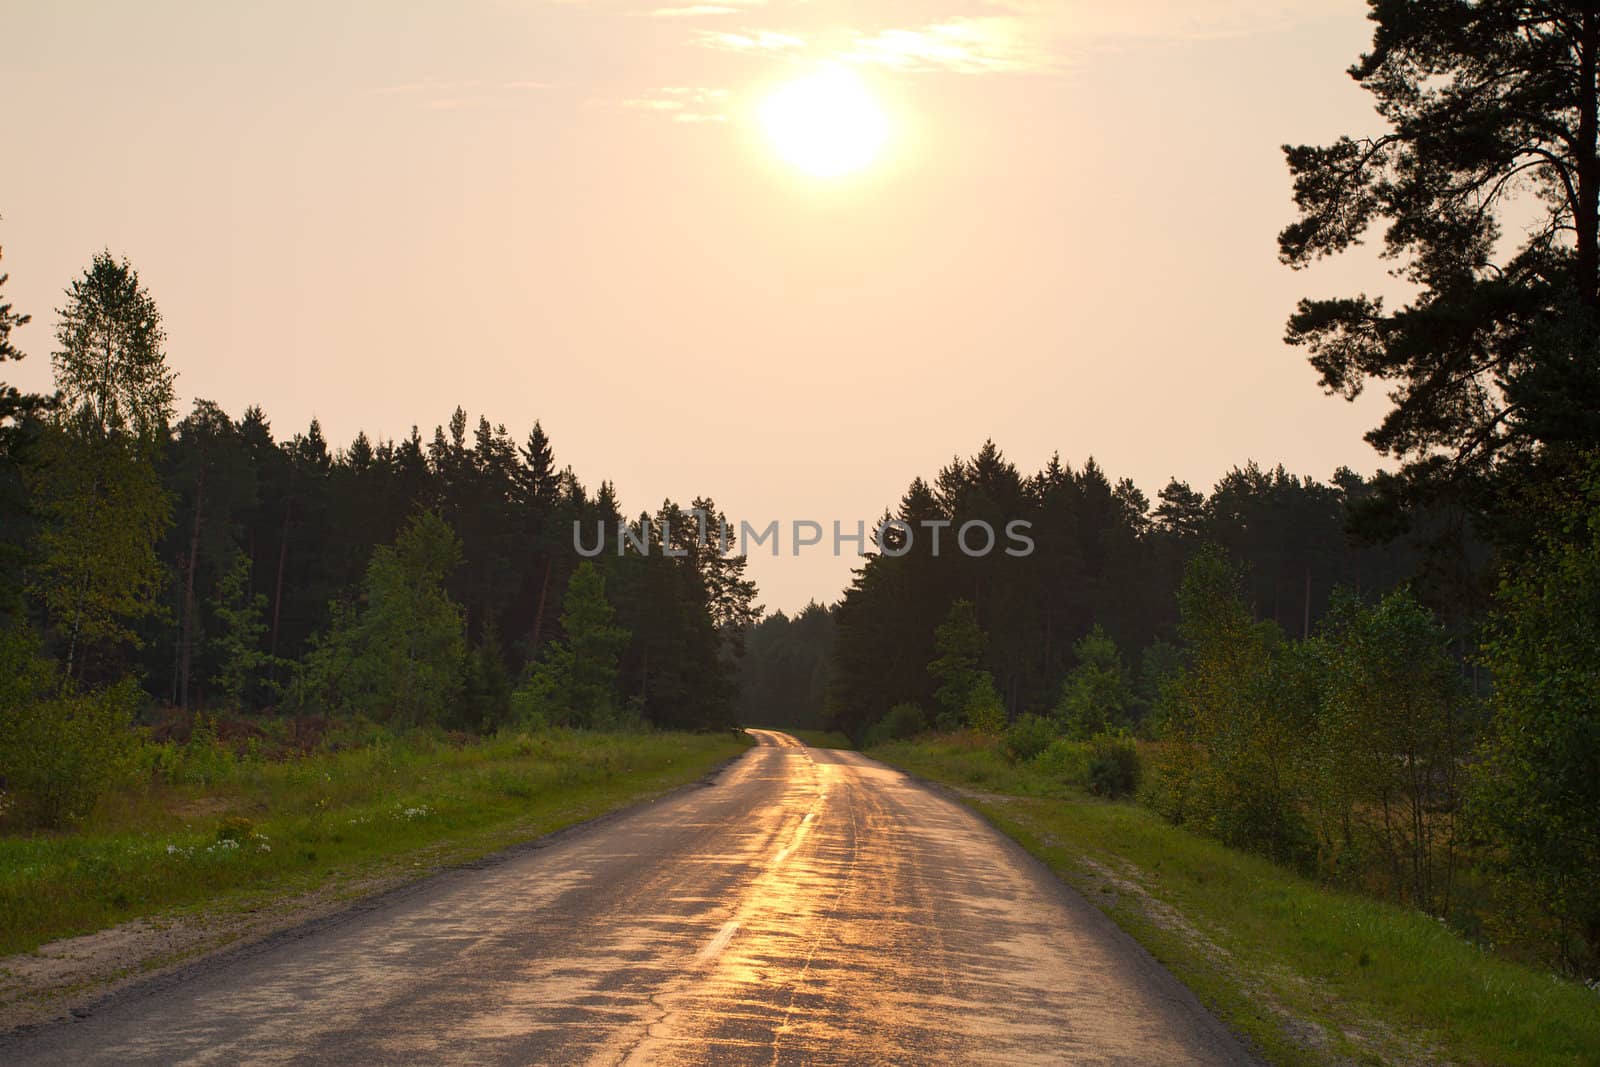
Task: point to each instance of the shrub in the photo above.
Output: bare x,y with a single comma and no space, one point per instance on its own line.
986,714
1065,760
533,703
1096,695
1113,769
1165,785
58,755
204,759
1028,737
901,722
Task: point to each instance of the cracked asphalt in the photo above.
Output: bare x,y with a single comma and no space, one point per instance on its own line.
808,907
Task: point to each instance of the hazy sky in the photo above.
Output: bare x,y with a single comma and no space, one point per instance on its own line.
374,212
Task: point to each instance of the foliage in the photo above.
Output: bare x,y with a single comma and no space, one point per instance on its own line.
486,692
1097,695
783,674
1160,669
59,750
964,687
1234,766
1028,737
576,684
104,509
399,658
241,661
985,712
1391,737
19,417
1064,760
902,721
1113,770
1538,784
110,367
1101,556
1490,115
99,493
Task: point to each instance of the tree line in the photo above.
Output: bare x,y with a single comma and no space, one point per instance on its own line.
207,563
1103,557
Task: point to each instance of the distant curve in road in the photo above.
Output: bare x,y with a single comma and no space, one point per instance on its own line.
809,907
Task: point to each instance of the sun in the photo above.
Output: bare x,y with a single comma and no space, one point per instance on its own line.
826,124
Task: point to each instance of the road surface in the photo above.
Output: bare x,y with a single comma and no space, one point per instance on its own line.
810,907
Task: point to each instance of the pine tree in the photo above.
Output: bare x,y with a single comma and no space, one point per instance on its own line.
593,642
1097,695
965,688
1497,357
577,681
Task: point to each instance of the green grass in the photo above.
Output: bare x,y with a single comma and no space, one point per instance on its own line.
272,829
1310,974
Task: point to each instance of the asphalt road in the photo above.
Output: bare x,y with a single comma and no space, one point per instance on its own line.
810,907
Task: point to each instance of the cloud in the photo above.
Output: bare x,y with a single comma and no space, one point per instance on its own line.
682,103
1012,36
761,42
1097,22
693,11
983,45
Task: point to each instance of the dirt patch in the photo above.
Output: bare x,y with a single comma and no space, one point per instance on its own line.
204,807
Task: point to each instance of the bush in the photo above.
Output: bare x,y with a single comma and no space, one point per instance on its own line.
1113,769
533,703
901,722
1096,696
58,756
1065,760
986,714
1028,737
204,759
58,750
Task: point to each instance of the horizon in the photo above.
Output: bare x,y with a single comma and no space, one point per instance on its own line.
375,222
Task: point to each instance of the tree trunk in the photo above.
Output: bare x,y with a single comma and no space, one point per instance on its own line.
277,592
186,640
538,617
1307,631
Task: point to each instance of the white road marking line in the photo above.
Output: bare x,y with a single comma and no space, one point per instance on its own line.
715,946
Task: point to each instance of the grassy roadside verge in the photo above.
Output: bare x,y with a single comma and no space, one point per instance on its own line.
277,829
1311,975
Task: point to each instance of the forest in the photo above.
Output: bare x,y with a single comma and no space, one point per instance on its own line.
156,568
